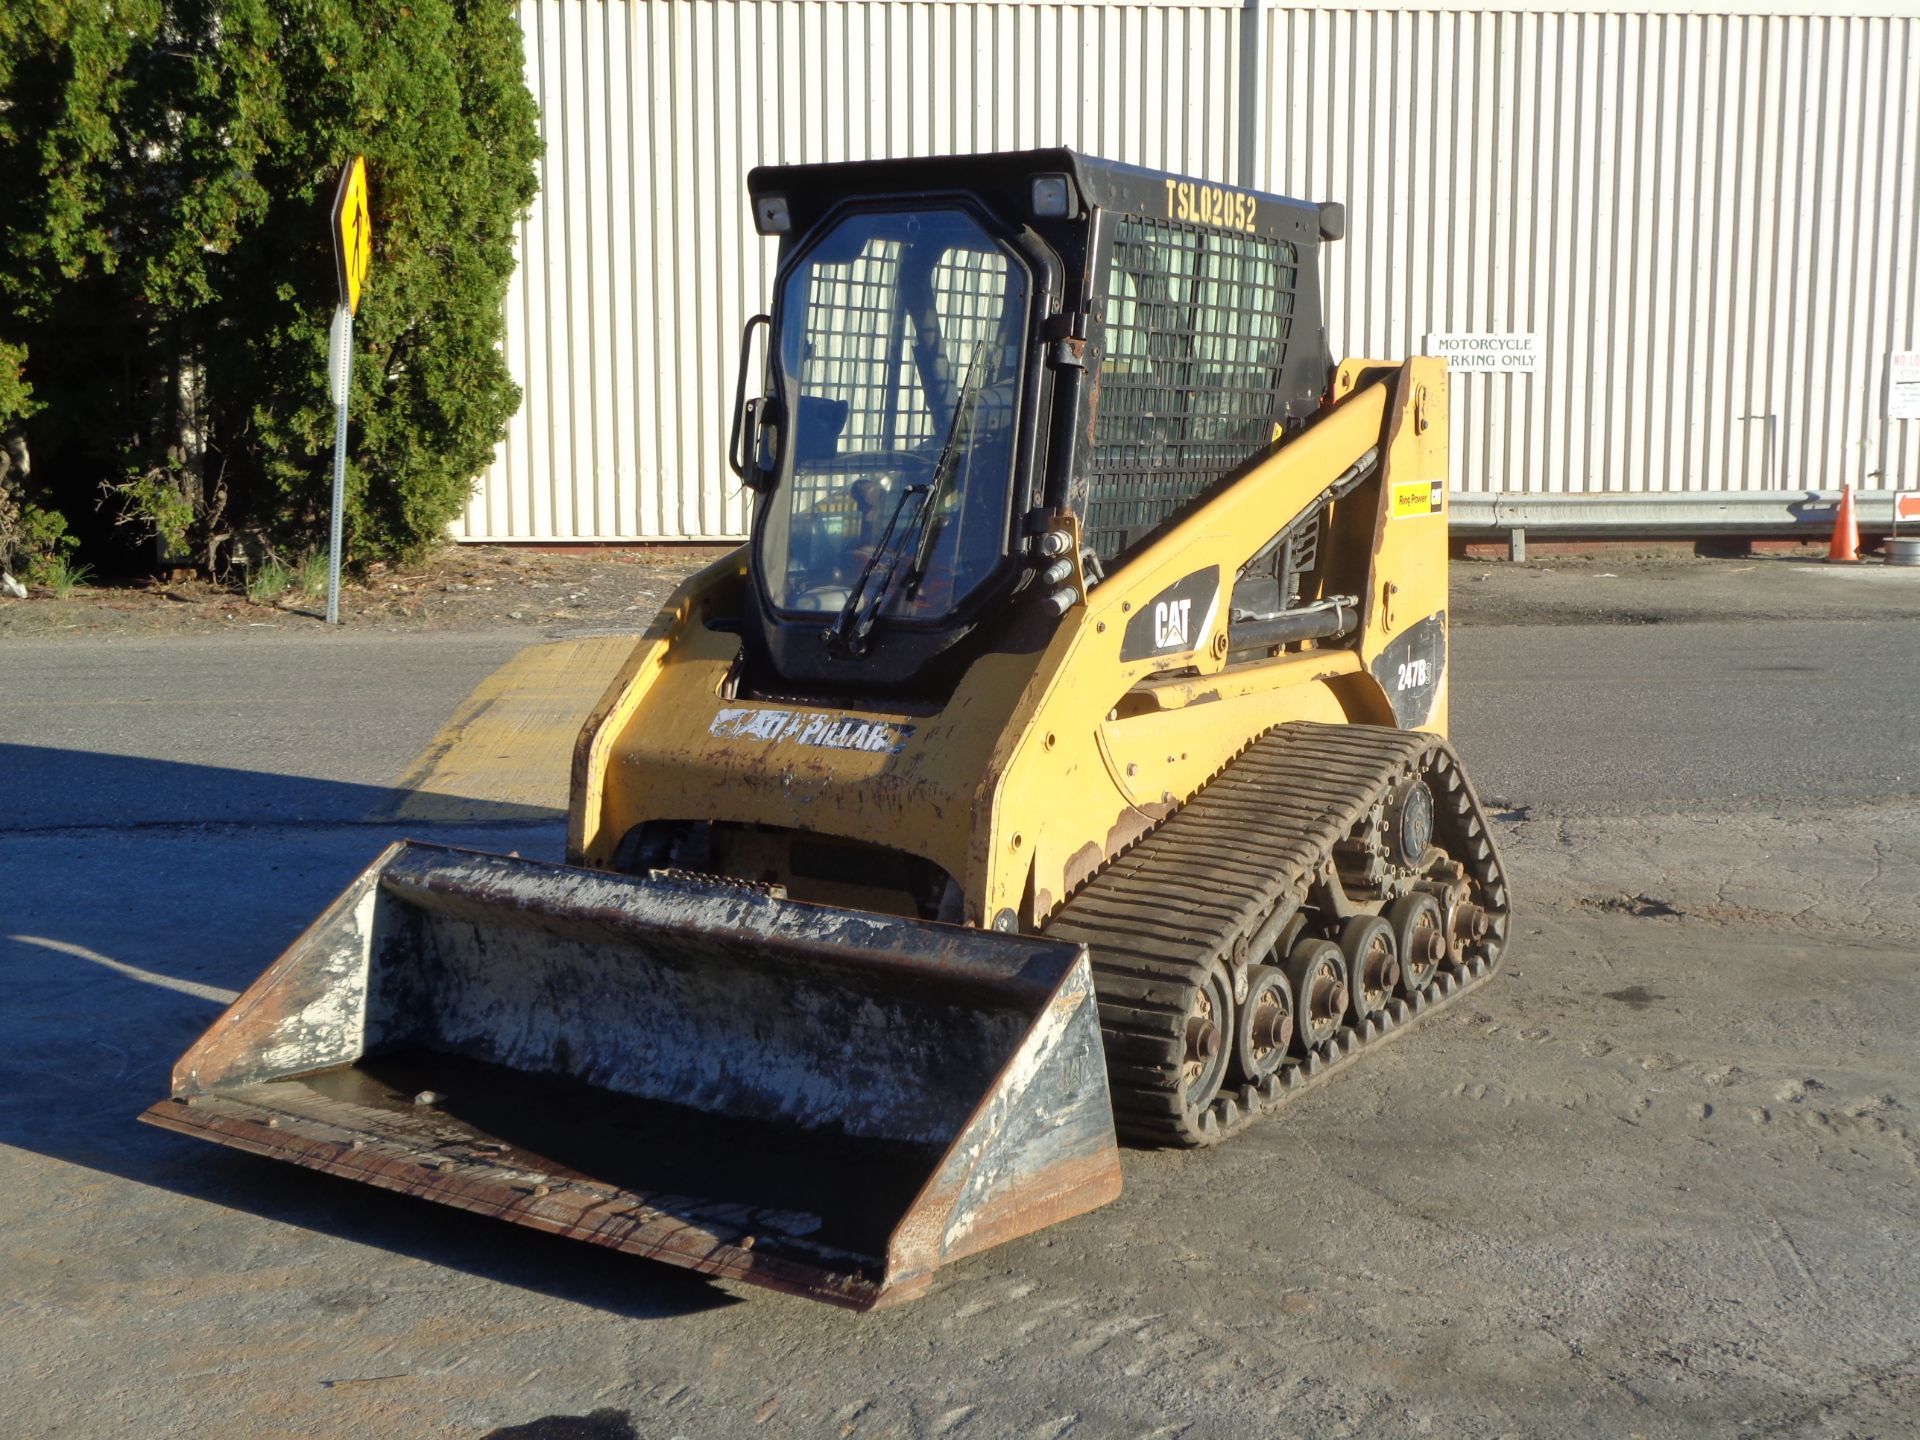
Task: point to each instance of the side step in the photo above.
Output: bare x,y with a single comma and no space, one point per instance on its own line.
824,1101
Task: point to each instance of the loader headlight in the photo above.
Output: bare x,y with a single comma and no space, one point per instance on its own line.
770,215
1052,196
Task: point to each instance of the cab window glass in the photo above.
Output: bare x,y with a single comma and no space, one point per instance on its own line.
901,343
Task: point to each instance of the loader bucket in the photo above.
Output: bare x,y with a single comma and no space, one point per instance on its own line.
825,1101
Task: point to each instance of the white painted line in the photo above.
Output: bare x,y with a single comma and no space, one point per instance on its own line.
132,972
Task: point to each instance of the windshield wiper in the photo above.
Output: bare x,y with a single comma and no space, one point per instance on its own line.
848,633
964,408
851,627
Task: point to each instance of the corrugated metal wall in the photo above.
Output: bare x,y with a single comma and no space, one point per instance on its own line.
1712,222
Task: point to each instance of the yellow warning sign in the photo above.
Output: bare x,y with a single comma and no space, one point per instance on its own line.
1418,497
352,232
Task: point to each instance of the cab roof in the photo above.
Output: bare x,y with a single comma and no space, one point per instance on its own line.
1003,180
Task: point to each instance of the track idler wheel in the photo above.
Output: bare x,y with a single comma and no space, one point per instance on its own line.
1419,932
1209,1036
1469,928
1263,1030
1317,970
1373,965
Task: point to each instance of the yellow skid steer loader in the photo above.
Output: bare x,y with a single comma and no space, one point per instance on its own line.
1062,757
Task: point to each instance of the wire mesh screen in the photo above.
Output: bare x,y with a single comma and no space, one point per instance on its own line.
857,351
969,290
1197,327
860,351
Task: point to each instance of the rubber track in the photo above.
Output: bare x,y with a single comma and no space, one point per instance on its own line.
1191,893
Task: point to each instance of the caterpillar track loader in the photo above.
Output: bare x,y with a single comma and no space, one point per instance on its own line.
1063,758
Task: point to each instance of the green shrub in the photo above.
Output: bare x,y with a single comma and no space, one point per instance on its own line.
311,576
59,575
267,582
163,503
16,396
39,545
165,258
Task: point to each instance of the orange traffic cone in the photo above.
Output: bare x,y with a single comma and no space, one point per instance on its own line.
1845,545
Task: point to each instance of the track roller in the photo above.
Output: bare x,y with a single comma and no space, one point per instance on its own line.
1264,1027
1373,965
1208,1037
1421,938
1317,970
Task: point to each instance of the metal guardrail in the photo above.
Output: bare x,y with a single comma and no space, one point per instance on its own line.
1808,513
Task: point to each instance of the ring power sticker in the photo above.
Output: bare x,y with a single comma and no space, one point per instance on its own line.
1418,497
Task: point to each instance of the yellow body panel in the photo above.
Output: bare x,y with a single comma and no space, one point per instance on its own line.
1042,766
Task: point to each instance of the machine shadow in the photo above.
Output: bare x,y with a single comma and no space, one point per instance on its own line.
120,944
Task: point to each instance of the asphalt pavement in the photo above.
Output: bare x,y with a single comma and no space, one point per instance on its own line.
1582,717
253,728
1705,716
1659,1177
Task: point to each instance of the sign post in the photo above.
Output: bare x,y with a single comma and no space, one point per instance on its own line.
353,257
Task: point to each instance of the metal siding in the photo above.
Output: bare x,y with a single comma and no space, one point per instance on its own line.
1713,221
1709,219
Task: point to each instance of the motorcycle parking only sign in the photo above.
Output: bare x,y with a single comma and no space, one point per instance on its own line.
1510,353
1903,385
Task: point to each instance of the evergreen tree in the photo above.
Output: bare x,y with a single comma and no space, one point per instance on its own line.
171,272
63,80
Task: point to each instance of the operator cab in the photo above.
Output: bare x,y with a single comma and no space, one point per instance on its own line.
931,407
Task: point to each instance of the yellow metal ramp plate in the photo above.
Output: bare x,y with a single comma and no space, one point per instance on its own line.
510,744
